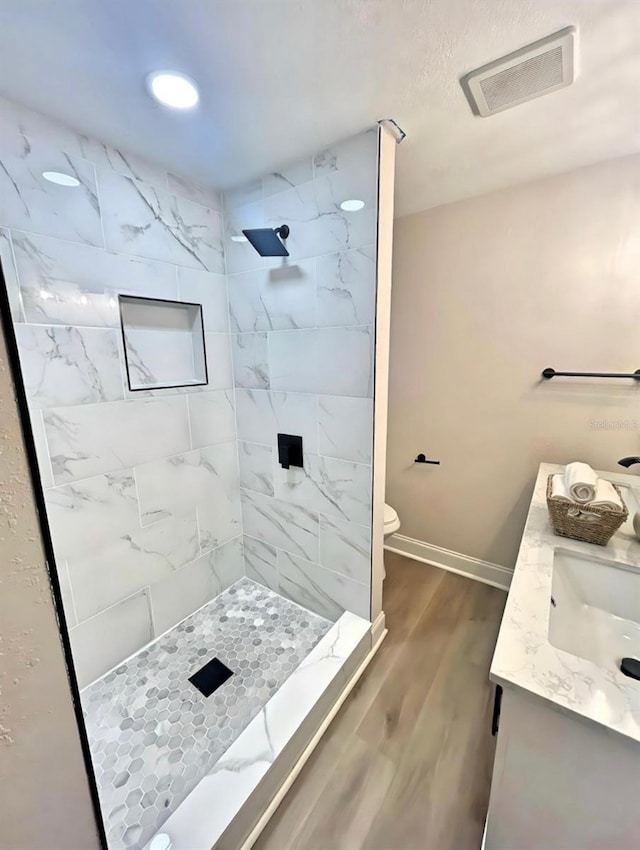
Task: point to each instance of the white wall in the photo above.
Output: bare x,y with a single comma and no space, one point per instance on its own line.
486,293
142,488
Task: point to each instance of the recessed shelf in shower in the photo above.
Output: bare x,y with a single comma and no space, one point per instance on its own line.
163,343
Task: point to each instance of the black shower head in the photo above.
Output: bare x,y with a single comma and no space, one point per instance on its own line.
266,240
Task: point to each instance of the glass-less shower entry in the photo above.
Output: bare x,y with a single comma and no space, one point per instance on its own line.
214,600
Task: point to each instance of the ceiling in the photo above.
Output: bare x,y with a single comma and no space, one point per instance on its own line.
282,78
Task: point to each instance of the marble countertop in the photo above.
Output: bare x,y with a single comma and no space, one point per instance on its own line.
524,658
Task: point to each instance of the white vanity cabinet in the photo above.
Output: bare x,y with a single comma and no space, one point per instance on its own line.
560,782
567,765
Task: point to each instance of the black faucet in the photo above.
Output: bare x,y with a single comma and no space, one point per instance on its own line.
628,461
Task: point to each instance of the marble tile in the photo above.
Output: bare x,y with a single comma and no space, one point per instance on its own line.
347,288
281,524
334,361
9,272
89,514
261,562
140,219
256,467
28,127
163,358
327,593
42,449
66,366
93,438
181,593
209,290
220,517
195,584
348,154
251,360
263,414
125,163
345,548
347,230
292,175
101,642
345,427
318,224
65,591
29,202
212,417
227,564
242,256
176,485
131,561
186,188
333,487
273,298
219,361
70,284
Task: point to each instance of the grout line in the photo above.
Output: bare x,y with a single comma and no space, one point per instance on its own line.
201,552
186,399
21,310
306,330
152,616
138,257
40,411
74,607
135,485
100,211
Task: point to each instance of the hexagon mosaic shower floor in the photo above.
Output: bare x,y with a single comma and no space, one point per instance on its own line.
154,736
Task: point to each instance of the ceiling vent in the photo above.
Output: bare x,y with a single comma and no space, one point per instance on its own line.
539,68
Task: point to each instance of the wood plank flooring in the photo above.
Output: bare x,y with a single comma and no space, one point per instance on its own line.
406,763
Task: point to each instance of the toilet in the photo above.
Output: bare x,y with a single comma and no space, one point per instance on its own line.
391,523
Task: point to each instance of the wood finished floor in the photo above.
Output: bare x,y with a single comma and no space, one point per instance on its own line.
406,763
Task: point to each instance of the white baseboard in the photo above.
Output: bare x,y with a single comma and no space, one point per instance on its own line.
474,568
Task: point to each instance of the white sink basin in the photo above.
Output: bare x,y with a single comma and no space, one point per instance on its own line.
595,608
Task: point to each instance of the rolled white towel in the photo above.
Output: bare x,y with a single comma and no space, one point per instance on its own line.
581,482
607,497
559,490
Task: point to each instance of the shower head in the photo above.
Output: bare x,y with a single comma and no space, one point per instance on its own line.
267,240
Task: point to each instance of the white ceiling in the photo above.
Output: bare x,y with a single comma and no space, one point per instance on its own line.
282,78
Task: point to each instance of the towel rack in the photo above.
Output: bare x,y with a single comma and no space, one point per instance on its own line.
551,373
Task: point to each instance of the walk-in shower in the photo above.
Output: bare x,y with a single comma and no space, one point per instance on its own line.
216,602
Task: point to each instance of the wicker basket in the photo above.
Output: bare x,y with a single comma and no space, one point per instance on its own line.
585,522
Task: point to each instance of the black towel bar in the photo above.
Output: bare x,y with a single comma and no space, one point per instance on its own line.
551,373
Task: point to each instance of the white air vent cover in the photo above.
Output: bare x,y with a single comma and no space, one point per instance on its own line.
539,68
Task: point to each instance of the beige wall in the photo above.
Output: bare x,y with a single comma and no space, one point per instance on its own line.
486,293
44,797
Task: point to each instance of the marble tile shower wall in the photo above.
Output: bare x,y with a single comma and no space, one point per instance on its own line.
302,335
142,488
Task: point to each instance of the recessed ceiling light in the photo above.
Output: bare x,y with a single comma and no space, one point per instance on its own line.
352,205
173,89
60,178
239,239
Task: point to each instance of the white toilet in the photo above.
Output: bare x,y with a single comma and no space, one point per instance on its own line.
391,523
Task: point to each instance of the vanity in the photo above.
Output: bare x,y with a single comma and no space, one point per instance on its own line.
567,765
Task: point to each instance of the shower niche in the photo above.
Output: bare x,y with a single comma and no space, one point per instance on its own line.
163,343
